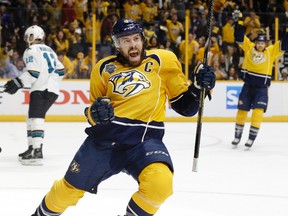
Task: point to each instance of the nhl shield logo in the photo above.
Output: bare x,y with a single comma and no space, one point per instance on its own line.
110,68
75,167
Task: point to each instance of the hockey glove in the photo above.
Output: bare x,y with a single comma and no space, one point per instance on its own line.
12,86
100,112
237,15
204,77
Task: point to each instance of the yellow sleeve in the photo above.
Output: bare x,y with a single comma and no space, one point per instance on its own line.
174,77
98,86
247,44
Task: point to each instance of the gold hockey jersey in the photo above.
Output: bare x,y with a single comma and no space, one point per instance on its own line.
257,66
139,93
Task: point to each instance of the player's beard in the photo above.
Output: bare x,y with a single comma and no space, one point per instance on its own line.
134,57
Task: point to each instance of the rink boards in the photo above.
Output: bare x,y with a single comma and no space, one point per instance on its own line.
74,97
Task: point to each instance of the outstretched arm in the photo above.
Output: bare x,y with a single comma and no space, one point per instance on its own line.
239,26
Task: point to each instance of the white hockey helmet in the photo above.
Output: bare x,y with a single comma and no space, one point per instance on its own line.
33,33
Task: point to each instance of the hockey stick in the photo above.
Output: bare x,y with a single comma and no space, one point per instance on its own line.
21,88
202,91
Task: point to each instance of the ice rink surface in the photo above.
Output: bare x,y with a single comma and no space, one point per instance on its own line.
229,182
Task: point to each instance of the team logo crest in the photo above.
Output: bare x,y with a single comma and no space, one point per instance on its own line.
258,58
110,68
129,83
75,167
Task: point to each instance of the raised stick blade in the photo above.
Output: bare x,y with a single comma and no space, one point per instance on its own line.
195,164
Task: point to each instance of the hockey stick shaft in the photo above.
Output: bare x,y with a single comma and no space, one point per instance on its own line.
202,91
21,88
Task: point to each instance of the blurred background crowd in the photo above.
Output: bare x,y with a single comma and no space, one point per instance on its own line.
68,27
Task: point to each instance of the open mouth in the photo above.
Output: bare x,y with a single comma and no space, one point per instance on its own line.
133,54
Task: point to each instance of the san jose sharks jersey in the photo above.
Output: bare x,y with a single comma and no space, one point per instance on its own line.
139,93
257,66
44,70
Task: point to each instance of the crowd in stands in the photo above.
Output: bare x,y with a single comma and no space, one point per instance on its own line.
68,28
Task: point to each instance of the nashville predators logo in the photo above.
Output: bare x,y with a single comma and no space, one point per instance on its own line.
258,58
75,167
129,83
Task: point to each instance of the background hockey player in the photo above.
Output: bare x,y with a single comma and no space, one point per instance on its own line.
43,75
128,95
256,73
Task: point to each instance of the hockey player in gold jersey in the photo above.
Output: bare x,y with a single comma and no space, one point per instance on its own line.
256,72
128,94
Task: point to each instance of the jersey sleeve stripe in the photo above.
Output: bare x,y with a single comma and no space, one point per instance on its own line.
34,73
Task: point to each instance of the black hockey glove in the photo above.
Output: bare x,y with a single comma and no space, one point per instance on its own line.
204,77
100,112
12,86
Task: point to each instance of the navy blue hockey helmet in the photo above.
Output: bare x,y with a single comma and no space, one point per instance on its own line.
261,37
123,27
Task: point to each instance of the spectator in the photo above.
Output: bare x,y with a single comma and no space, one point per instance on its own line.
132,10
53,9
219,72
227,34
114,8
84,72
105,33
77,62
168,46
7,25
14,69
218,8
179,5
214,52
252,23
60,42
106,28
102,7
174,31
68,12
69,29
87,60
153,43
81,8
284,74
193,47
283,62
224,62
201,50
30,13
76,44
68,65
150,12
196,23
232,73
